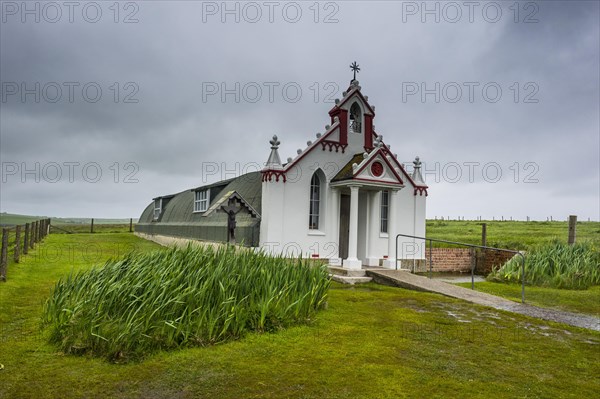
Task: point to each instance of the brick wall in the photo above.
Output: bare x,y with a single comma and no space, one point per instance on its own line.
450,259
489,259
458,260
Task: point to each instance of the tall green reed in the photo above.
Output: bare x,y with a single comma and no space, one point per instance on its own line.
556,265
180,297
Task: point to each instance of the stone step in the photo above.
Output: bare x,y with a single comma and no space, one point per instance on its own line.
350,280
340,271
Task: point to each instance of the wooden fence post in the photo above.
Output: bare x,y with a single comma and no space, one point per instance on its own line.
31,235
131,225
484,234
17,243
572,229
4,255
26,239
92,226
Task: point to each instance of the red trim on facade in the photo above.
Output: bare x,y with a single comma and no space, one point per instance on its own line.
349,94
342,115
401,167
421,190
332,129
267,175
333,144
373,158
368,131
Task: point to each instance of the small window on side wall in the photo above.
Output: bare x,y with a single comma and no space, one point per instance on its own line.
157,208
385,208
201,199
315,202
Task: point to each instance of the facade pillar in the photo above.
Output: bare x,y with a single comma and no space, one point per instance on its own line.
390,262
335,225
353,262
373,228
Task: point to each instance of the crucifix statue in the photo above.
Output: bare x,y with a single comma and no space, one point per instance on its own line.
231,209
355,69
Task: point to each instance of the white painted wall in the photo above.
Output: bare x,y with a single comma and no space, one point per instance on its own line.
285,209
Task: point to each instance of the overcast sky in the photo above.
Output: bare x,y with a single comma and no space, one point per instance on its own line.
104,107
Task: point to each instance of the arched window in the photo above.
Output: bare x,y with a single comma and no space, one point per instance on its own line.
315,202
355,118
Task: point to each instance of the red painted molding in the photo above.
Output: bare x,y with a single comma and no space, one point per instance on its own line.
330,144
267,175
421,190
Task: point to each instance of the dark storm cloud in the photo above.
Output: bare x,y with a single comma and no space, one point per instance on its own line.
172,128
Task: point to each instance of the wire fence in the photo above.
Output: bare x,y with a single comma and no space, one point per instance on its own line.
18,240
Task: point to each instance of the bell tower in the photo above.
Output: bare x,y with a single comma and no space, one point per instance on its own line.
355,115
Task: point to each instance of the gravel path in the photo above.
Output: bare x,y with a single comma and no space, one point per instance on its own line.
404,279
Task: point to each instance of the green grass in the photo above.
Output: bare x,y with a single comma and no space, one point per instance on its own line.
578,301
510,235
371,342
556,265
192,296
58,228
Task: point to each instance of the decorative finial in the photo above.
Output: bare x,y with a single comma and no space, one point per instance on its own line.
309,143
417,176
355,68
274,162
274,142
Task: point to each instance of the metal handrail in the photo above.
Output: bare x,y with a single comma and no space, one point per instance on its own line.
472,267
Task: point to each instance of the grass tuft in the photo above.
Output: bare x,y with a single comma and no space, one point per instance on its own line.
555,265
194,296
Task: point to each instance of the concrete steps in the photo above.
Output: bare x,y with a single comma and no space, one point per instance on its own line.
348,276
350,280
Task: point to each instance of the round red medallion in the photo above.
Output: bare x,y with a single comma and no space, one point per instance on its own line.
376,169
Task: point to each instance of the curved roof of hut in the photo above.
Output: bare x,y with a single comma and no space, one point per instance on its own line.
179,208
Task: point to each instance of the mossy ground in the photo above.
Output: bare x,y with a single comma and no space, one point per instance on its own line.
371,342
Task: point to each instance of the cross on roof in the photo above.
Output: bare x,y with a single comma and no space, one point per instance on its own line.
355,68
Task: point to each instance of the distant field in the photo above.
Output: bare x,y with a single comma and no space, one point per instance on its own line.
509,234
502,234
11,219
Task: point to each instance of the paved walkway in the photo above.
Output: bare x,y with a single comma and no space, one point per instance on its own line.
405,279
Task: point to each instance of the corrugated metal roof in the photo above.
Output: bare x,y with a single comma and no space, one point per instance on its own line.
180,208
